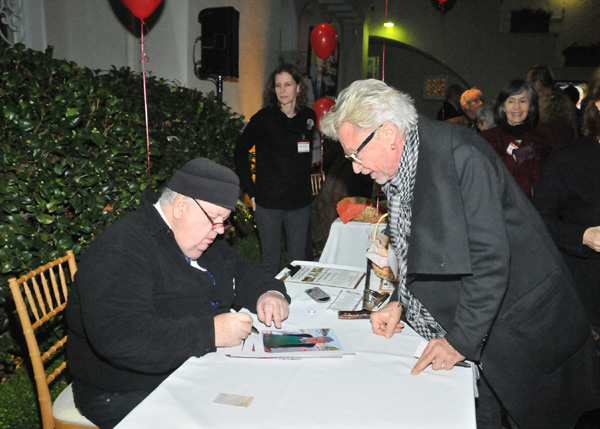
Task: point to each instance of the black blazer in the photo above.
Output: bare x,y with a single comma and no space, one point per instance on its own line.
482,262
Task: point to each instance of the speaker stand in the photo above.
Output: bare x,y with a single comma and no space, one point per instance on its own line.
217,80
219,83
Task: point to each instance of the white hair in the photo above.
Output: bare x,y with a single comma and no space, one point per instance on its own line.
167,197
368,104
485,113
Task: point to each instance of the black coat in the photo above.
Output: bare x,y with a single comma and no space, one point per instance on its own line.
282,172
138,309
482,262
568,198
447,111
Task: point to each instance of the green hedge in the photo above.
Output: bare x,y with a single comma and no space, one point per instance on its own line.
73,152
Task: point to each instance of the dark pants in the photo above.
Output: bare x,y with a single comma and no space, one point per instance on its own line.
488,408
105,409
269,223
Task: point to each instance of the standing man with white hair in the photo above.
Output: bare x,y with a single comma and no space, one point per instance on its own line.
480,277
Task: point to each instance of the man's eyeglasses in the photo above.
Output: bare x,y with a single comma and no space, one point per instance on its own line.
353,156
215,225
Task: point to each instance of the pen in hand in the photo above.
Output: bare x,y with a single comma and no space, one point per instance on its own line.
253,330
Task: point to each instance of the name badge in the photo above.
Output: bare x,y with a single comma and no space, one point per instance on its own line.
303,147
511,147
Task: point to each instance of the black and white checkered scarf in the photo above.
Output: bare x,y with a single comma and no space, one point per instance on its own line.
399,192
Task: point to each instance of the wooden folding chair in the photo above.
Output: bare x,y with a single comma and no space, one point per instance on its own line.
40,295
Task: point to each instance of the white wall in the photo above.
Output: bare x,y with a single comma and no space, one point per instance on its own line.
472,38
101,33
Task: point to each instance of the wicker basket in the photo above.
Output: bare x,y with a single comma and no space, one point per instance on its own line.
369,214
385,273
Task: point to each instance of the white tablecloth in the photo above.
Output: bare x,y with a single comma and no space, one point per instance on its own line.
347,244
372,388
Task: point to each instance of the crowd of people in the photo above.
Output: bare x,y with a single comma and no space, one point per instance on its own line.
494,216
551,148
529,119
548,139
481,277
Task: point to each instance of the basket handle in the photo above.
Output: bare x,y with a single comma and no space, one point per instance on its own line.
377,226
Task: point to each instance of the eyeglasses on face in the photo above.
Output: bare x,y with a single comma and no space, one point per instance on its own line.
215,225
353,156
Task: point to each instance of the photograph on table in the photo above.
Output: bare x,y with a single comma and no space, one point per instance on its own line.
302,340
292,343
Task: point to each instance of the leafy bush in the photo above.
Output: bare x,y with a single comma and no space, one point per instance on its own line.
8,361
73,152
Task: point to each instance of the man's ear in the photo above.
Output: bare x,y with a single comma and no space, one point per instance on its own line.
392,136
180,204
389,132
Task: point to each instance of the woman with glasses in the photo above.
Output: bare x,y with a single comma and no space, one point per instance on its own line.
282,134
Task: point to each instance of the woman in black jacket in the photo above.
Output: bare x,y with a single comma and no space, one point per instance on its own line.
568,198
282,134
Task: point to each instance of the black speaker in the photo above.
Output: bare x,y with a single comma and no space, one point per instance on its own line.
219,42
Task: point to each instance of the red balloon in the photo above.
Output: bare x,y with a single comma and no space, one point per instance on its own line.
323,40
142,8
322,106
443,6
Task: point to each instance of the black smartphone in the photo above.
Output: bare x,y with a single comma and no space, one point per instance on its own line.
317,294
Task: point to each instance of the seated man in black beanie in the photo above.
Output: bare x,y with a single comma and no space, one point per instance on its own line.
155,288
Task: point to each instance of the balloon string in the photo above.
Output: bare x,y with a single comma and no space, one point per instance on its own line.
386,8
322,140
144,61
383,54
383,64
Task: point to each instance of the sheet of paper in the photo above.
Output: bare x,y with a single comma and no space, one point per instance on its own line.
346,301
324,276
420,349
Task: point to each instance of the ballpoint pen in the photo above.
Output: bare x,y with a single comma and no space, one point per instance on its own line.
253,329
462,364
367,291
